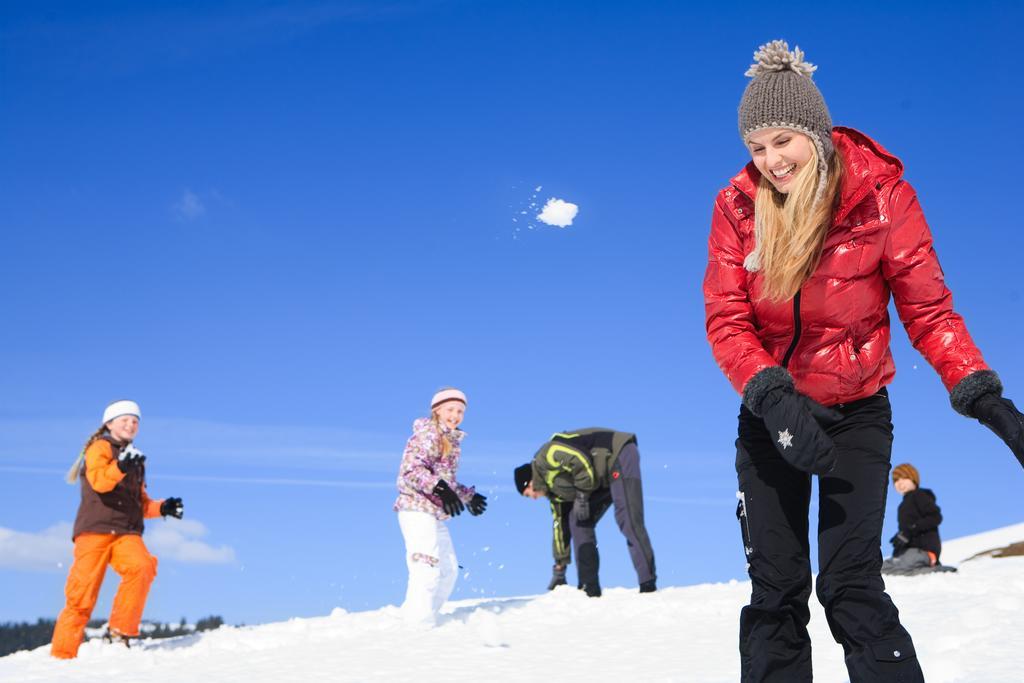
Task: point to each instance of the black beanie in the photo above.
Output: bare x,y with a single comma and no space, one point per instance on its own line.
523,476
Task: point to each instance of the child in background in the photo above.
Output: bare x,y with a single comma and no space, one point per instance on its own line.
916,546
108,530
428,495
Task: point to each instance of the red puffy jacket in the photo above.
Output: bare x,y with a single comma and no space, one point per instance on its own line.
833,336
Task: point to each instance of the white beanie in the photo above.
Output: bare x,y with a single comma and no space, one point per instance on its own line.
446,395
119,408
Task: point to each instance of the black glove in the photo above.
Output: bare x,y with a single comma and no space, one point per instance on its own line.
477,504
172,507
557,577
449,501
797,426
129,458
899,542
1002,417
581,507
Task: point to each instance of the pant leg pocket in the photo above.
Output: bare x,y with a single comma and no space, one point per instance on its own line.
889,660
893,650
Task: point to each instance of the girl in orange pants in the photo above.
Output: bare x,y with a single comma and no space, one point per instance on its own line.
108,530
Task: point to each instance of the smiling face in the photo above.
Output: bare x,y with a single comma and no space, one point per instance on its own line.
123,428
779,154
450,413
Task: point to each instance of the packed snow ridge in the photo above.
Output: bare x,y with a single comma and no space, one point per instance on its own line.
965,625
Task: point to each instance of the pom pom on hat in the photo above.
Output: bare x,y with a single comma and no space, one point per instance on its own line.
775,56
906,471
446,395
119,408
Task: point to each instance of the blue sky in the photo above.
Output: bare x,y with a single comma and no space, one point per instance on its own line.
281,226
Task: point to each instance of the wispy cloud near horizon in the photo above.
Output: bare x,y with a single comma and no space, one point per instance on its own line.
180,540
51,550
48,550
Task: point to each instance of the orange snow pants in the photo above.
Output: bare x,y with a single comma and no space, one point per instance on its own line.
128,556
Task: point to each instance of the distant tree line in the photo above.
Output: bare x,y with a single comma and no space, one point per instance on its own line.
28,636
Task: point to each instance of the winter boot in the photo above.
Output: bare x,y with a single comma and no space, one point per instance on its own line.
115,637
648,586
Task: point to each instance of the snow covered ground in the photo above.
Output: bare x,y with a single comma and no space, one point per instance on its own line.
966,627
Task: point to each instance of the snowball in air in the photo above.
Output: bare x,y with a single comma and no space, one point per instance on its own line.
558,212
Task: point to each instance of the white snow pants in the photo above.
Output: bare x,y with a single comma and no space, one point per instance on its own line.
432,564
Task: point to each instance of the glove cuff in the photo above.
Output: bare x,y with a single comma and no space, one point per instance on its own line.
762,383
971,388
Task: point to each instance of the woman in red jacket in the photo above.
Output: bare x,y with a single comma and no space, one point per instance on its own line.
807,243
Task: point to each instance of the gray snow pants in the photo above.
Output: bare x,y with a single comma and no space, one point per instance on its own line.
773,512
909,560
625,492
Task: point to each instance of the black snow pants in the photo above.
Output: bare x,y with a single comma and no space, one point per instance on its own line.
773,513
625,492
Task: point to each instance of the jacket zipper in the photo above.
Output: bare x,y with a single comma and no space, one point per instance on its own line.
796,331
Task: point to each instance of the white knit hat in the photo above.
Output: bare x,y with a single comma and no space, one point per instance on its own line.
119,408
446,395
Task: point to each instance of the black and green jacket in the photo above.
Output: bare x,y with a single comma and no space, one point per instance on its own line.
571,461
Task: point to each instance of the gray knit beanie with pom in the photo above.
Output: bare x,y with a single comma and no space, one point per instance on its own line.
781,94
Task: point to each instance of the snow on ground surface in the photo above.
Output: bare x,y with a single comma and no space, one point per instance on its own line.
960,549
966,627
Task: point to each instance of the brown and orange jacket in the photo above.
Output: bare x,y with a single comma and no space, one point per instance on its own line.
112,502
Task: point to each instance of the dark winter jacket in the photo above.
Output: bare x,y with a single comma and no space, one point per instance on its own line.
833,336
571,461
919,519
578,460
112,502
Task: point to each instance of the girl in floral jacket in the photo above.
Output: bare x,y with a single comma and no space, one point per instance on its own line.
808,243
428,495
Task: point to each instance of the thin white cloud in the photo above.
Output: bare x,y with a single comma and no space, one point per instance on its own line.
47,550
558,212
52,550
179,539
190,206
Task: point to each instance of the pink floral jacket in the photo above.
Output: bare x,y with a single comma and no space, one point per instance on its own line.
423,465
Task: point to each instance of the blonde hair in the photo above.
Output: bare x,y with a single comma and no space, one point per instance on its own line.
76,468
444,443
790,229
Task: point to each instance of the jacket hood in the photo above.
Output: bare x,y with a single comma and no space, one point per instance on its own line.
866,164
426,425
921,492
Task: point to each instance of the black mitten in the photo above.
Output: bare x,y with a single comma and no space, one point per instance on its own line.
581,507
899,543
1002,417
557,577
129,458
477,504
797,426
172,507
449,501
